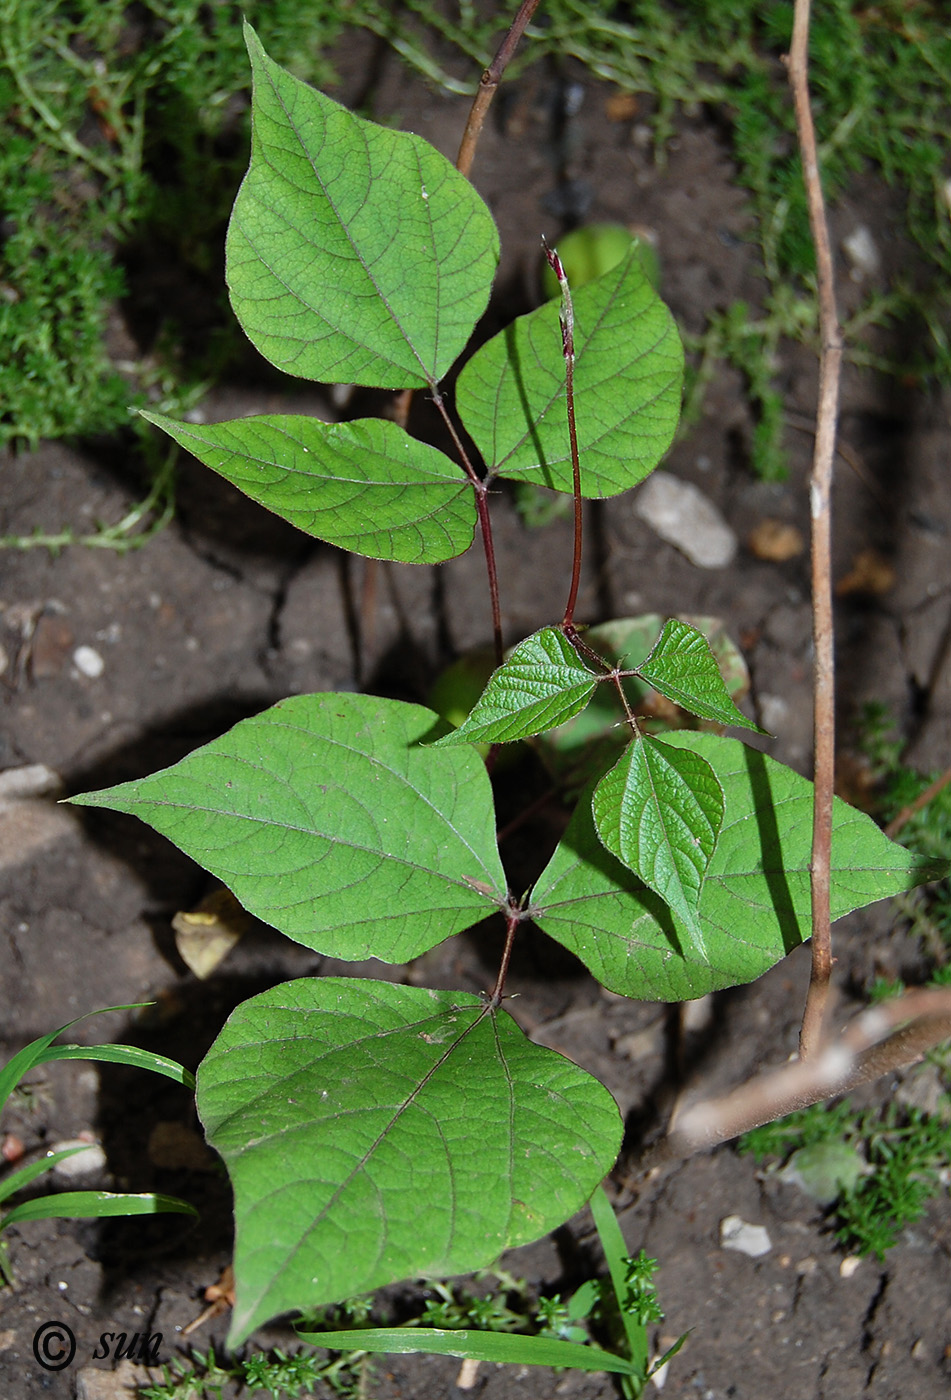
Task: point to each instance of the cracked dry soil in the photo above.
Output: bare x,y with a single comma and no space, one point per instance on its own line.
228,610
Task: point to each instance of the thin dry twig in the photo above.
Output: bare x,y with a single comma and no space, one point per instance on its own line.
922,800
488,86
878,1041
820,500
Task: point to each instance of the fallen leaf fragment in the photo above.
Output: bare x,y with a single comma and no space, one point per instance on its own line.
205,936
870,573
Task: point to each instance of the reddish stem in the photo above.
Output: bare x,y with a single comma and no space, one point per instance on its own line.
489,84
513,918
485,523
566,316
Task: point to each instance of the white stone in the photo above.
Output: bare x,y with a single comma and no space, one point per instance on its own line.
88,662
90,1161
773,712
737,1234
859,247
683,516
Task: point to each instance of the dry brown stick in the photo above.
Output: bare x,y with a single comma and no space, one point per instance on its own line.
488,86
917,1022
922,800
820,501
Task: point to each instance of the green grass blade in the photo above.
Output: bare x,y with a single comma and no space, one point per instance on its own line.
617,1254
12,1184
504,1347
25,1059
131,1055
81,1205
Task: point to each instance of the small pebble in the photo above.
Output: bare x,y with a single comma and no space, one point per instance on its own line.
89,1162
849,1265
859,247
88,662
773,713
776,541
739,1235
683,516
12,1149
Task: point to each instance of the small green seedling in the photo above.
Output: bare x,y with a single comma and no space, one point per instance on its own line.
375,1131
72,1205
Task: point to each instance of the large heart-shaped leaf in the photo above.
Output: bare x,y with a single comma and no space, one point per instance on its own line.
659,811
541,684
366,486
755,902
628,374
355,254
328,819
374,1132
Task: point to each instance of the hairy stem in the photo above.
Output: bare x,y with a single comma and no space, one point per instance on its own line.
820,498
485,524
488,86
566,316
513,918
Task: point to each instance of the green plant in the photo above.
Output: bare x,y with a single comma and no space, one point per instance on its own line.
554,1333
78,1204
876,1168
422,1127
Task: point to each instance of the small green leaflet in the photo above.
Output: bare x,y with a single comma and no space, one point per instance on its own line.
659,810
755,902
682,667
628,374
542,684
355,254
328,818
366,486
374,1132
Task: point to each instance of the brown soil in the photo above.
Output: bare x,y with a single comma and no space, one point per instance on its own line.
228,610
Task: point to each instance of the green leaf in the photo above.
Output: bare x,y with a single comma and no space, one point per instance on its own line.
355,254
659,810
586,746
682,667
617,1256
10,1185
38,1052
755,902
366,486
85,1205
628,374
542,683
374,1131
326,818
504,1348
130,1055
